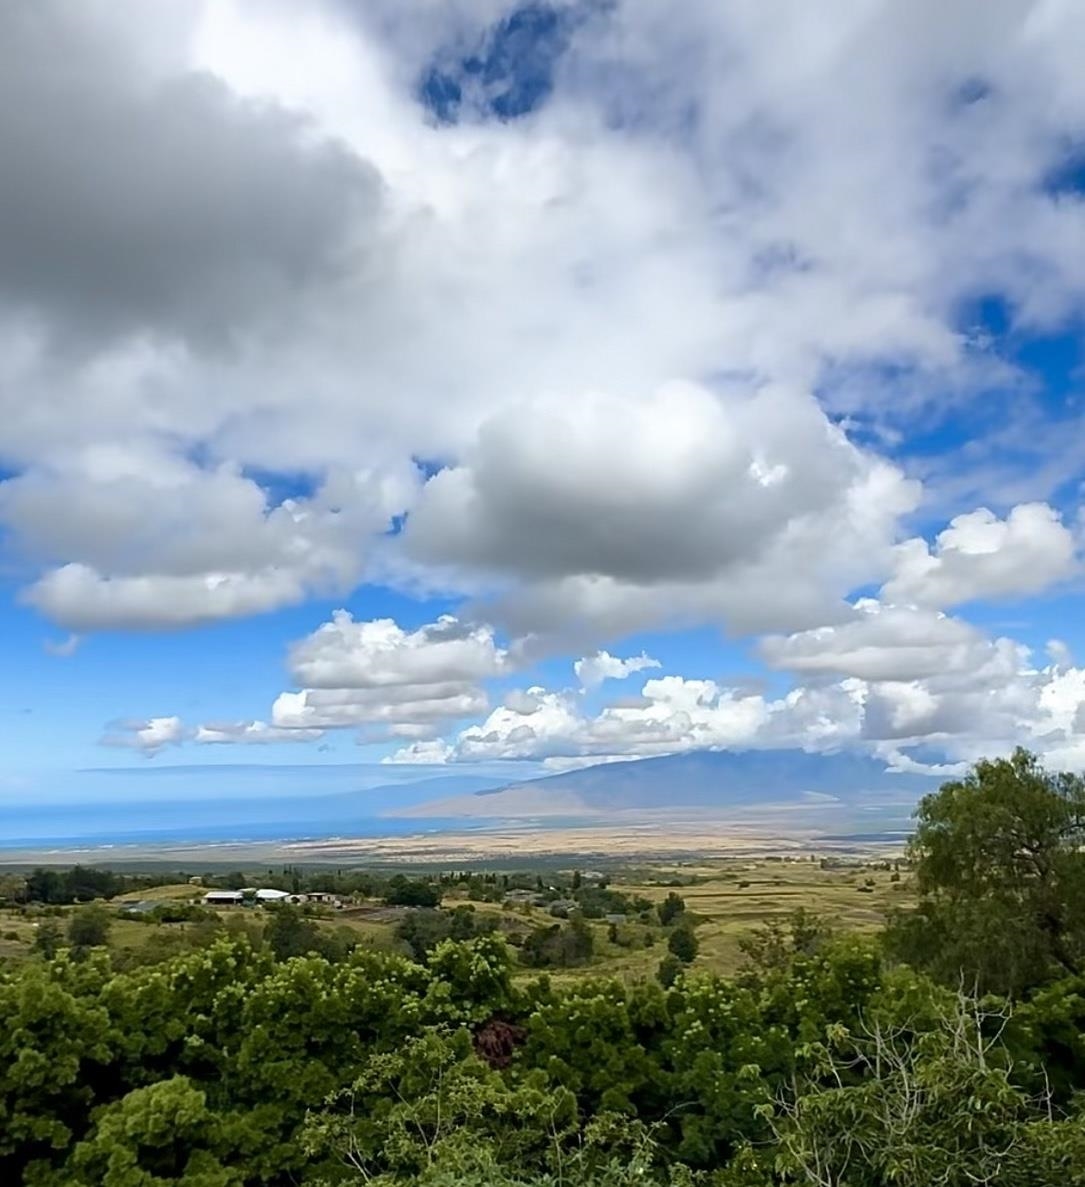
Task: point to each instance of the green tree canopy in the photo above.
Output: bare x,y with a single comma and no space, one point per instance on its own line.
1000,870
683,944
89,926
670,908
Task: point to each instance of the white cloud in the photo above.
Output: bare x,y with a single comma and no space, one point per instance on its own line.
882,642
160,543
379,653
891,680
981,556
397,708
672,715
335,285
148,736
593,669
681,503
628,332
251,733
431,752
375,674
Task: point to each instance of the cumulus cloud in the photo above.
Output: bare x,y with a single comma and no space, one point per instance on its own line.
593,669
981,556
379,653
681,489
403,708
376,677
268,330
313,277
882,642
672,715
892,681
148,737
162,543
146,196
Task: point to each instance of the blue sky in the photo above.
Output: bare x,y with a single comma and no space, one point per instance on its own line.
508,388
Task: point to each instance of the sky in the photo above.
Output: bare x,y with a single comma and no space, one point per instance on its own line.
462,386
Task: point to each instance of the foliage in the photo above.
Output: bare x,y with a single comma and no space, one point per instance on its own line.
896,1102
558,946
89,926
669,970
286,1056
670,908
48,938
775,945
412,892
999,861
683,944
424,928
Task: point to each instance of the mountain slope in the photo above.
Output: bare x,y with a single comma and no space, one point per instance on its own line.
709,783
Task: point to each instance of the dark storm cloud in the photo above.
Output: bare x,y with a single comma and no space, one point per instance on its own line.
130,202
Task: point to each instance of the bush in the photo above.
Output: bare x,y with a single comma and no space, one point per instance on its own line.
683,944
89,927
670,969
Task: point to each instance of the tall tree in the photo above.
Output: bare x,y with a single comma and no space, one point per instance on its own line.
1000,870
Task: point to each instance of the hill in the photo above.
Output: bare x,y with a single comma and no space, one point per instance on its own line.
711,784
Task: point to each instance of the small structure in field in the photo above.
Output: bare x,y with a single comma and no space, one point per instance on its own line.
223,898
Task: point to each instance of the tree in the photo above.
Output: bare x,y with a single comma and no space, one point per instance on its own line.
775,945
1000,870
670,908
670,969
683,944
412,892
163,1133
903,1100
290,934
89,927
47,938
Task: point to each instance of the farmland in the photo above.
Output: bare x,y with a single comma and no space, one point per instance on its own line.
725,899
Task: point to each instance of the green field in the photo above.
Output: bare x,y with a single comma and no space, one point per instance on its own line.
725,899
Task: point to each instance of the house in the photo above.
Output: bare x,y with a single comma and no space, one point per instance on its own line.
143,907
322,896
223,898
272,896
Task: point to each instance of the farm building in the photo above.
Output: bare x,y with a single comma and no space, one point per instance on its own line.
223,898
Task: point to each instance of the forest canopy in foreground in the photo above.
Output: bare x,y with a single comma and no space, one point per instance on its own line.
949,1050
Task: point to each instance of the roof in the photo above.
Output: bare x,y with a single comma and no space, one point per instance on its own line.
223,896
142,907
270,895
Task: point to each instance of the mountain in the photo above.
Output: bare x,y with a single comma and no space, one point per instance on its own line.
709,784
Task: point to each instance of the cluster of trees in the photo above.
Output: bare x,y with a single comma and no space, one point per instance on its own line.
424,929
79,884
558,945
829,1061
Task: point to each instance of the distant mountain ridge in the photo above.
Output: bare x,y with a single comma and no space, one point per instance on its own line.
701,783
